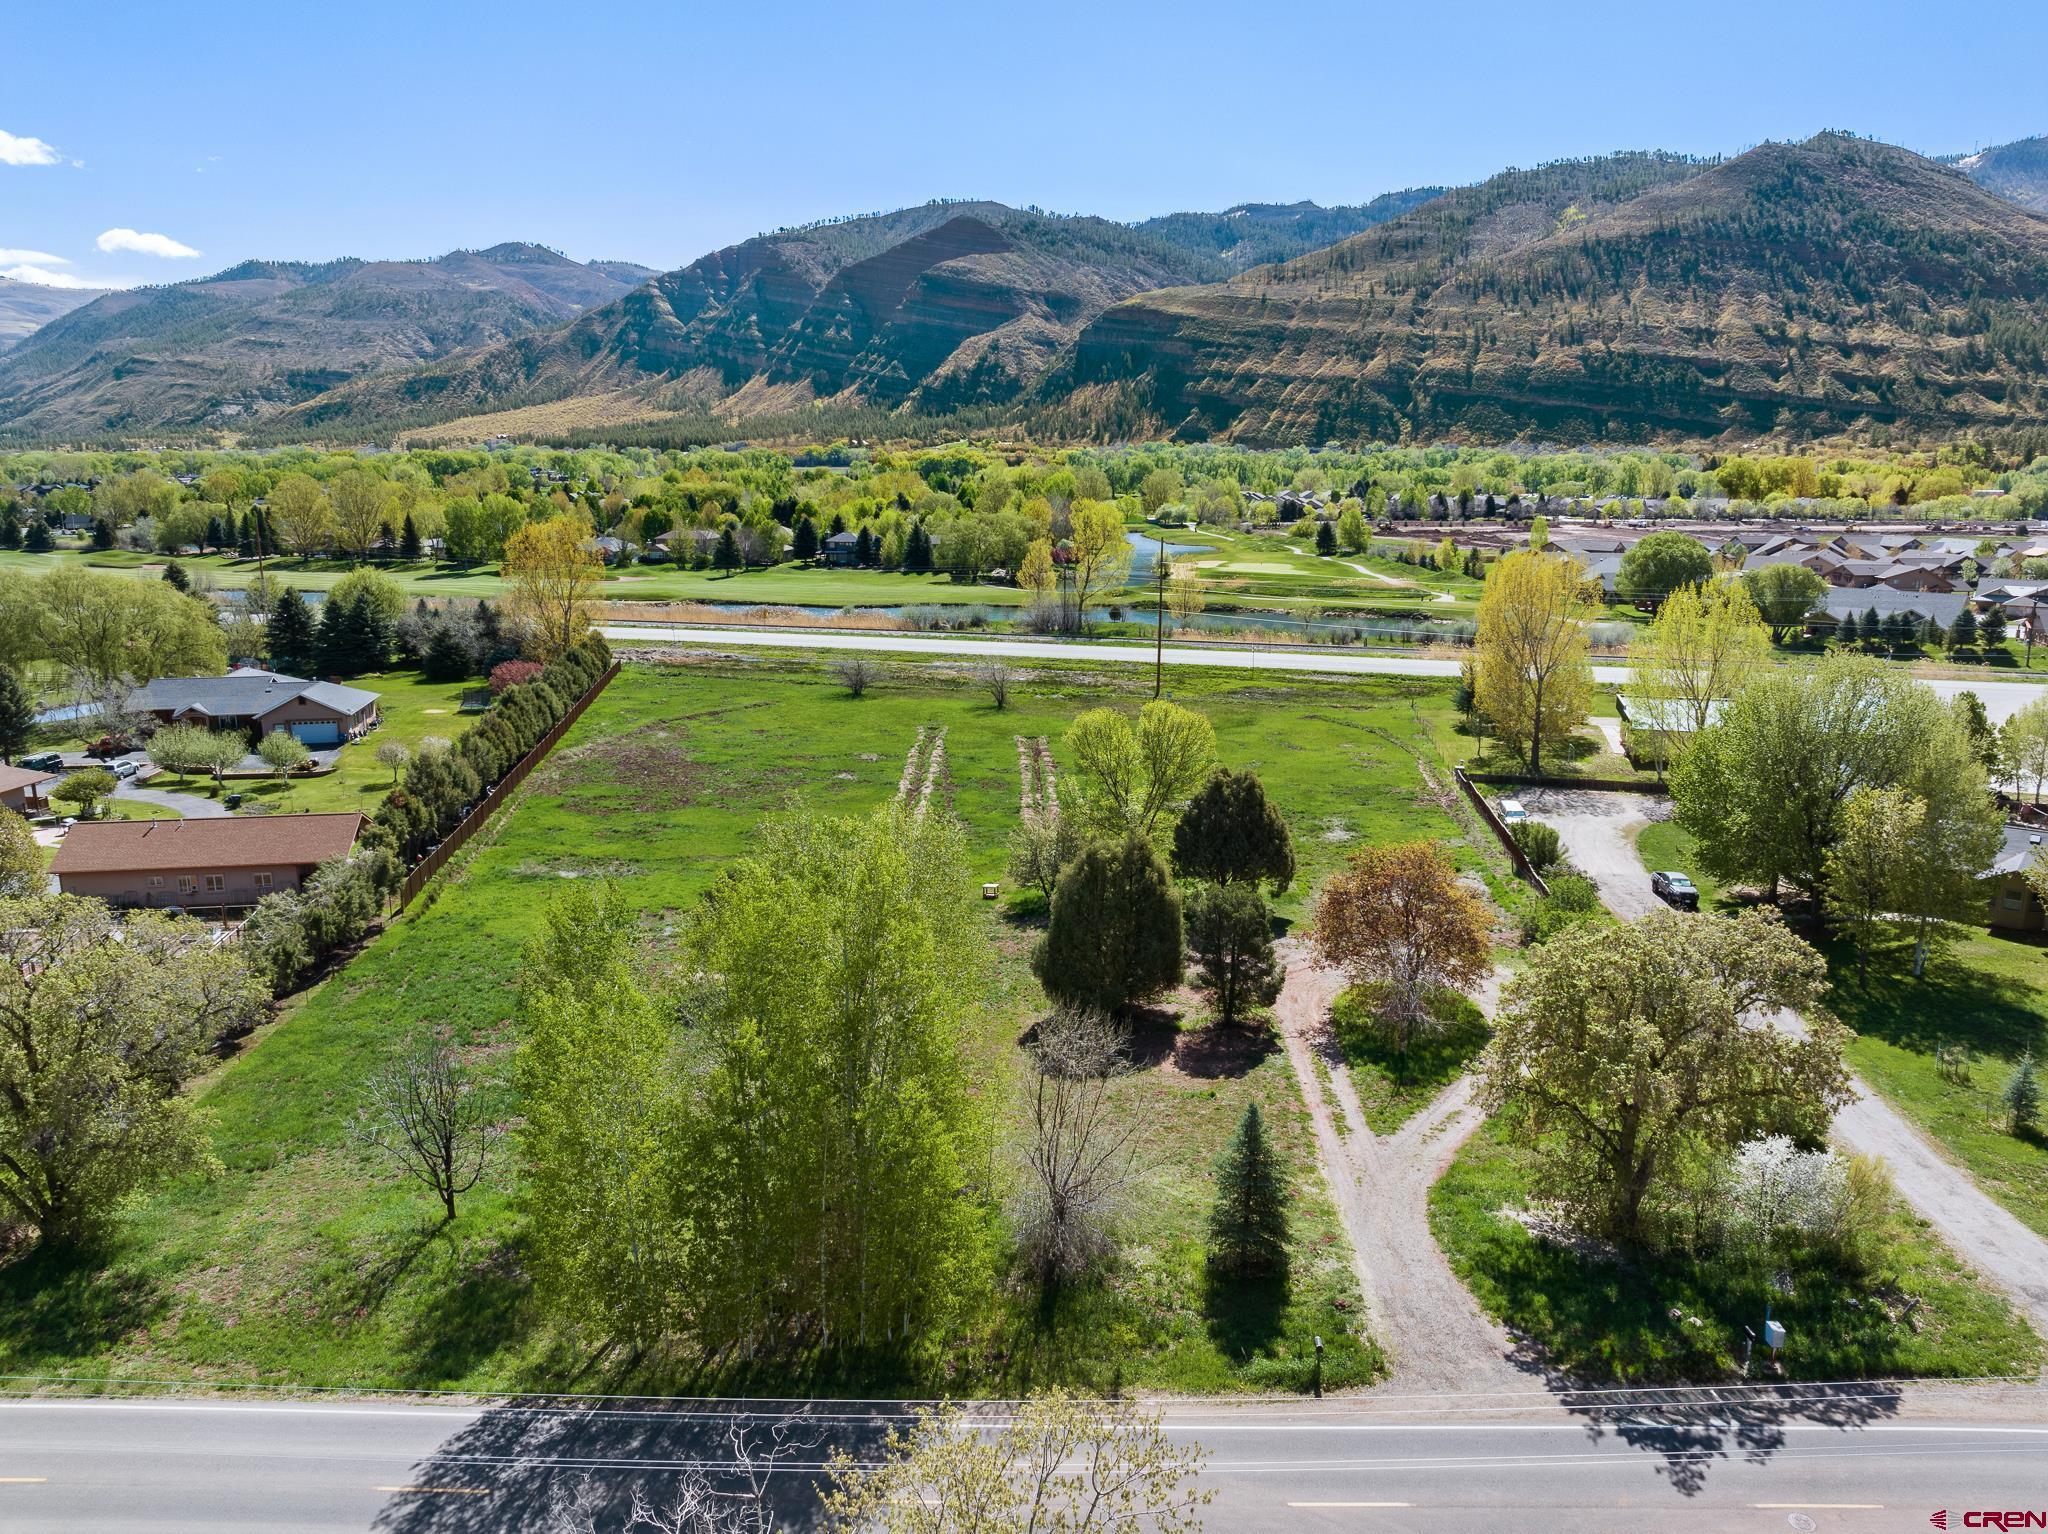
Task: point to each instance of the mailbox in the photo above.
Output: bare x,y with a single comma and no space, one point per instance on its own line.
1774,1335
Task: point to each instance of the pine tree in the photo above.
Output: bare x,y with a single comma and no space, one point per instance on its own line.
804,547
1248,1223
17,715
409,539
1991,630
174,575
863,547
1963,632
2022,1097
290,638
1873,625
1845,631
102,533
10,531
1326,539
38,539
727,555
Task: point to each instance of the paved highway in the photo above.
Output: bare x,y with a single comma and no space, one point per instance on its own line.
1838,1461
2001,698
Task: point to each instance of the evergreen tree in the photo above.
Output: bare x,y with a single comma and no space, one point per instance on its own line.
17,715
174,575
448,656
2022,1097
804,547
1231,832
917,549
1845,631
245,536
10,531
863,547
102,533
409,546
1230,936
290,638
1963,632
1898,631
1872,625
1248,1223
727,555
339,636
216,537
838,523
1326,539
1115,933
1991,628
38,540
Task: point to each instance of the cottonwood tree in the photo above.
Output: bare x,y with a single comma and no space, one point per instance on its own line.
108,631
298,508
1100,556
1662,564
1230,938
1863,875
1706,643
1231,832
1080,1154
1248,1223
426,1114
553,574
1626,1051
362,510
1115,933
98,1034
1533,675
1396,918
1784,593
1132,773
1056,1465
1762,789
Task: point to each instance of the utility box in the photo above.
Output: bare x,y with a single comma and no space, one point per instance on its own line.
1774,1335
988,891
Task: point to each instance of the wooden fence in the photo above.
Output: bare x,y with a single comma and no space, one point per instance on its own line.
497,794
1514,848
1599,785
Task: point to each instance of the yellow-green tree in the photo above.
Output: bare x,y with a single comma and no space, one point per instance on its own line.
1704,646
1534,678
1101,554
553,574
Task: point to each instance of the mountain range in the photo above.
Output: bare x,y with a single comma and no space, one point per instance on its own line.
26,307
1836,284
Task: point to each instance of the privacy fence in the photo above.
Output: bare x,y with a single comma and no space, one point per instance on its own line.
1520,859
497,794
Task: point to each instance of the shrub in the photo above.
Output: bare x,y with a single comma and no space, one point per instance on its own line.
1540,844
508,674
1572,901
1115,935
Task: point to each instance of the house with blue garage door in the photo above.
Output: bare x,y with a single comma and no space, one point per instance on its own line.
258,702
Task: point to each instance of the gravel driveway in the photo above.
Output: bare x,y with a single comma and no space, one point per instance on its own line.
1597,831
1435,1335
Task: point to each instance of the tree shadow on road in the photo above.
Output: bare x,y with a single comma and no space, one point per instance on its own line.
574,1467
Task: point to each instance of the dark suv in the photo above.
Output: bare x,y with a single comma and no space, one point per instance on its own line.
1675,889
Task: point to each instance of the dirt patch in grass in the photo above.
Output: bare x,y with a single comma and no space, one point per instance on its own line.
651,759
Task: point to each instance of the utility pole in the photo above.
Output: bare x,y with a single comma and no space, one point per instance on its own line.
1159,618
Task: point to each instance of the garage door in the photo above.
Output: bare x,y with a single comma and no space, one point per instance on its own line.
318,732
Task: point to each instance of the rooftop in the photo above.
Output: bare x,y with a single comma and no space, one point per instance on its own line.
229,841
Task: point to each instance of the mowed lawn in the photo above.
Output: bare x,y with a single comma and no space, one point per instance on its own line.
304,1260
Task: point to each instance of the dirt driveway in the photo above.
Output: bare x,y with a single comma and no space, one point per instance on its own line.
1598,834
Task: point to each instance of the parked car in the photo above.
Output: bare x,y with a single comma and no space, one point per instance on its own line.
126,769
1675,889
49,761
1512,813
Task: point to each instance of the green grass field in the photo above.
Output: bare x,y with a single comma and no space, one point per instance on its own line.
1986,990
1393,1085
1605,1317
304,1261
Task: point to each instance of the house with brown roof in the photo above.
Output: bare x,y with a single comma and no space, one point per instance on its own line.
229,861
26,790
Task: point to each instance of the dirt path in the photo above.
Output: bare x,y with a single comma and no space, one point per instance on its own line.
1434,1333
1598,834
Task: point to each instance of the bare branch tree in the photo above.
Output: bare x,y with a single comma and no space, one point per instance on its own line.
995,678
426,1114
855,673
1080,1161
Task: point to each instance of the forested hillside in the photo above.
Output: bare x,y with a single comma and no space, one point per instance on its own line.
1255,233
26,307
1811,287
225,349
930,308
2018,171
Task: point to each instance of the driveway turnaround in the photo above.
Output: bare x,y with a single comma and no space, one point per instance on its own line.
191,806
2001,699
1839,1458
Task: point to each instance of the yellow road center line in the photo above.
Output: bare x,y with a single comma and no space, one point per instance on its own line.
440,1491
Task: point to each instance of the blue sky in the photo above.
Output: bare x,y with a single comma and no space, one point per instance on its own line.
657,132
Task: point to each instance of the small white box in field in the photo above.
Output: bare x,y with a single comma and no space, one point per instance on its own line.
988,891
1774,1334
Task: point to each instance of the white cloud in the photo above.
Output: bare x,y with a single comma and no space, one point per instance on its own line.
45,277
144,244
25,151
30,257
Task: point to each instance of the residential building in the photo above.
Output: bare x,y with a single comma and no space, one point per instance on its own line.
258,702
26,790
227,862
2014,905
